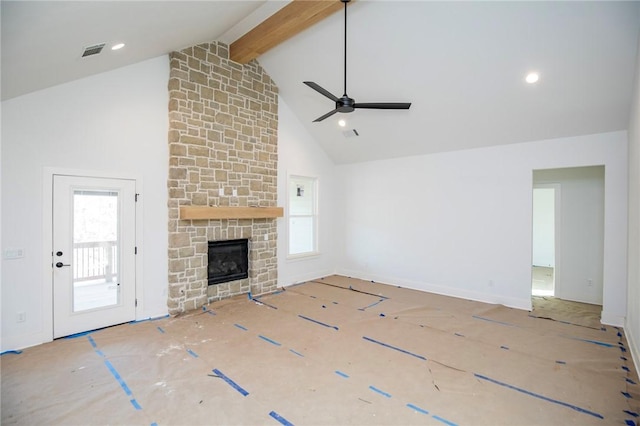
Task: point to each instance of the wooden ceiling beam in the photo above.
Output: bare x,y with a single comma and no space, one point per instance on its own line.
287,22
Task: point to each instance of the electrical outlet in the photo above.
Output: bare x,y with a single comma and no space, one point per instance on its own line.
221,192
21,316
235,192
266,237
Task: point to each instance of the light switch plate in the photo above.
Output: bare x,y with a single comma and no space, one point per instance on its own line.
14,253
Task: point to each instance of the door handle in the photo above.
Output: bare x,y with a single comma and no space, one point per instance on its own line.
60,265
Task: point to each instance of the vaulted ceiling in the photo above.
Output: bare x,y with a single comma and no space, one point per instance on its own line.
461,64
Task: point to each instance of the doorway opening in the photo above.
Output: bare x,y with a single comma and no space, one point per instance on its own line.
544,239
568,243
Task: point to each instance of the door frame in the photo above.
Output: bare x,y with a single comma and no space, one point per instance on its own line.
47,237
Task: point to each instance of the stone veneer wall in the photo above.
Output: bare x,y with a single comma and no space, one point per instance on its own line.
222,135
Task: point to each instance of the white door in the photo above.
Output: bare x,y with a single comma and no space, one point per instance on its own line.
93,253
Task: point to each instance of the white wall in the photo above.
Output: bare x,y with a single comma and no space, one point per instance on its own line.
544,229
299,154
114,122
579,272
632,326
459,223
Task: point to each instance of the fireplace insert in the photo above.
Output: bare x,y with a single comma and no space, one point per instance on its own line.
228,261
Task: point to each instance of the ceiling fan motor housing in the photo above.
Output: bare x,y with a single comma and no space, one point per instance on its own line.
345,104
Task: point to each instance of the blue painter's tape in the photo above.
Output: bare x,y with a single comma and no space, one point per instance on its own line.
160,330
192,353
241,327
318,322
280,419
623,358
381,392
494,321
341,374
265,304
93,342
99,352
297,353
545,398
230,382
123,385
135,404
626,394
75,336
372,305
273,342
628,380
595,342
631,413
445,421
623,349
630,423
418,409
154,424
11,352
149,319
249,296
393,347
625,368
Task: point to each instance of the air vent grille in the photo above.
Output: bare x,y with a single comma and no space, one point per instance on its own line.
93,50
350,133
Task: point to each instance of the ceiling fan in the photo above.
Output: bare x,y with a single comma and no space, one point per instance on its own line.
345,103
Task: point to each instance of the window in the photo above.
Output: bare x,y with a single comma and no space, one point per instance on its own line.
303,216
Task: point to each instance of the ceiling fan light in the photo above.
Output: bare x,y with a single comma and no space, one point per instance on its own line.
342,123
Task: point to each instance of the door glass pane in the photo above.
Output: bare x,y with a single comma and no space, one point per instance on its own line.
95,249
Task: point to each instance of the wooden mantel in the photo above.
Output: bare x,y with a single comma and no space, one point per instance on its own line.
203,212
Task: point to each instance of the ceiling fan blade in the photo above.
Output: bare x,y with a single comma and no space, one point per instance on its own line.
321,90
327,115
383,105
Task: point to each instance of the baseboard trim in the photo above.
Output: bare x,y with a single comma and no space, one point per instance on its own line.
511,302
634,348
610,319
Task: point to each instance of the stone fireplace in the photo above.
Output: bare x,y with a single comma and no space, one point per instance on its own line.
222,153
227,260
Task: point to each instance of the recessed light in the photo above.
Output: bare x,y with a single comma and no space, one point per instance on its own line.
532,77
117,46
342,123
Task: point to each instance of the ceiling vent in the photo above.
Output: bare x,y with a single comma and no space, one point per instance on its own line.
93,50
350,133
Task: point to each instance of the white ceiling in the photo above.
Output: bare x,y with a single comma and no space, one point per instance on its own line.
461,64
